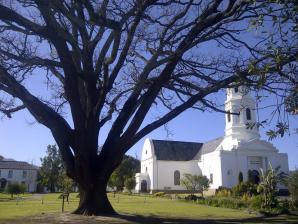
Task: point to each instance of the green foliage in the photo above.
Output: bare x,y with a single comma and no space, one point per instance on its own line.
292,183
195,183
244,188
159,194
23,188
130,183
127,169
66,184
223,192
268,188
280,130
51,169
254,202
291,102
15,188
192,197
224,202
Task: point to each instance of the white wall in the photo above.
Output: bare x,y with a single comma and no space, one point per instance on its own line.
165,173
17,176
211,164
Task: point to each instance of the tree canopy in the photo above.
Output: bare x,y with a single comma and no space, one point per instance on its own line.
51,170
126,170
113,63
195,183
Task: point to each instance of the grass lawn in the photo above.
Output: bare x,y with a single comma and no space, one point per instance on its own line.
46,208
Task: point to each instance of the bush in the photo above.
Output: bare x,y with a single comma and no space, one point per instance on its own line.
255,202
192,197
244,188
223,202
15,188
159,194
130,184
292,182
223,192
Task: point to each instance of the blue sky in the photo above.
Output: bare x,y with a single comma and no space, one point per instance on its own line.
21,138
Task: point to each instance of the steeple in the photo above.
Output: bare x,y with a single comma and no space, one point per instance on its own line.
239,101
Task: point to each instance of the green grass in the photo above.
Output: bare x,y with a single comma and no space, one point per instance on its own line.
47,203
14,211
137,205
162,207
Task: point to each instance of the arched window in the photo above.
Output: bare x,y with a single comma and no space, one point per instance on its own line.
229,116
176,177
248,114
236,89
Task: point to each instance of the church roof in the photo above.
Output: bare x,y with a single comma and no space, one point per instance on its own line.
183,151
208,147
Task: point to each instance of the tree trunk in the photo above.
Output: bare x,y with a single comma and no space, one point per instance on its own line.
94,200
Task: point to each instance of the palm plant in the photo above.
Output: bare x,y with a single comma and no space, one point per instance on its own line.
268,187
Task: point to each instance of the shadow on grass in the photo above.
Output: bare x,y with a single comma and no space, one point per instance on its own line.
161,220
67,218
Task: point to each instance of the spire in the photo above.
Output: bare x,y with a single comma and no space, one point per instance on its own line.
239,101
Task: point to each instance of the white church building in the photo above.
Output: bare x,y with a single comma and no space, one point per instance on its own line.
222,160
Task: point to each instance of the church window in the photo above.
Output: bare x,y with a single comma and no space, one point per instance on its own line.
176,177
211,178
10,173
248,114
236,89
229,116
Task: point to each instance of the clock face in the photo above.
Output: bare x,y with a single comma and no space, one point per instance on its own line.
244,90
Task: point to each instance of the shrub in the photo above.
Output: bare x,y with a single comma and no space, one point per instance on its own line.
255,202
130,183
292,182
223,202
223,192
15,188
23,188
193,197
159,194
268,188
244,188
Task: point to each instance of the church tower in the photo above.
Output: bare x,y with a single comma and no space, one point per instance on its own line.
239,101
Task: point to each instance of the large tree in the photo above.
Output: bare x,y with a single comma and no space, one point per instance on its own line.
51,170
118,61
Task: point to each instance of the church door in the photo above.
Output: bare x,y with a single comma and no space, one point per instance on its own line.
255,176
144,186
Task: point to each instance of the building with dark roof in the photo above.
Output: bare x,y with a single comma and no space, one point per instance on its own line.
222,160
17,171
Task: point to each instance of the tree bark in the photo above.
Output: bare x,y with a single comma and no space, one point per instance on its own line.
94,200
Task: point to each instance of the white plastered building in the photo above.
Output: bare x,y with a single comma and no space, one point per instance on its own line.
240,150
17,171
